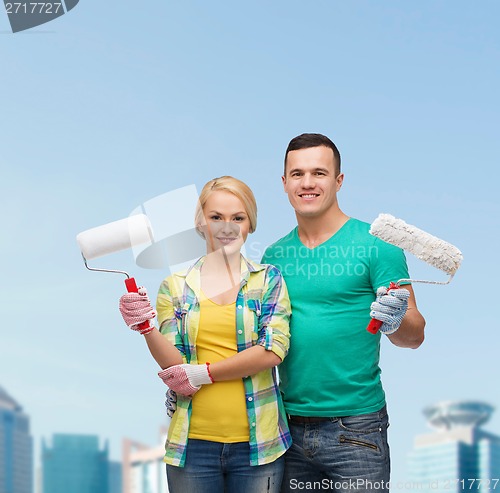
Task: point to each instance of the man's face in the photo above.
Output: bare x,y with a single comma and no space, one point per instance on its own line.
311,182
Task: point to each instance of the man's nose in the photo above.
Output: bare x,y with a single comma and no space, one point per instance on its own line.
307,181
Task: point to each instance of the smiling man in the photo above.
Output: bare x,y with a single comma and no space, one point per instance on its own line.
337,274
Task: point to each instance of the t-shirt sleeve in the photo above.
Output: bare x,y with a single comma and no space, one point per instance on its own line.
387,264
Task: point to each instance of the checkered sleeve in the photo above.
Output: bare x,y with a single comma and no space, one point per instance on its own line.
274,320
166,316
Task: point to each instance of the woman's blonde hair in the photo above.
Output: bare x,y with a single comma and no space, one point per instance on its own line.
231,185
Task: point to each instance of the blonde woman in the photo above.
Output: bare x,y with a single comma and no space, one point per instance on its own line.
223,329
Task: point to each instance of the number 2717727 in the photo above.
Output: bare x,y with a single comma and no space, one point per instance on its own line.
33,7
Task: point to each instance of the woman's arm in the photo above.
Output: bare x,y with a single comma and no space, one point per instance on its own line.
162,350
248,362
162,343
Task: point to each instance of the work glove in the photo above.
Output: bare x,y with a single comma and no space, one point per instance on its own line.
171,402
186,379
136,309
390,307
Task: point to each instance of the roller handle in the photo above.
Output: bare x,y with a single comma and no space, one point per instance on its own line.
374,325
132,288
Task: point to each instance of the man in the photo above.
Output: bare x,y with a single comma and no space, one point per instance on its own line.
337,274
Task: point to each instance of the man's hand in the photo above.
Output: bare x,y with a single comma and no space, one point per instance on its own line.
171,402
390,308
186,379
136,309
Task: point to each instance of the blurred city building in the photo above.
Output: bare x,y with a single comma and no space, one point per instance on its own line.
16,447
459,455
143,467
75,464
115,477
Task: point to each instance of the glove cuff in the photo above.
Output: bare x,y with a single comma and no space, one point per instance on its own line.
143,328
388,331
209,374
200,375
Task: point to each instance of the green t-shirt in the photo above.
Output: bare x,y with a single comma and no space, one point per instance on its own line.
332,368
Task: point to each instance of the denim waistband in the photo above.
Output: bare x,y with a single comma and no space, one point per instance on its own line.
292,418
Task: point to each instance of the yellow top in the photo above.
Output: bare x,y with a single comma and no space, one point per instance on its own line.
218,410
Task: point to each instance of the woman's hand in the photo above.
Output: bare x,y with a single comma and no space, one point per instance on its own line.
136,309
186,379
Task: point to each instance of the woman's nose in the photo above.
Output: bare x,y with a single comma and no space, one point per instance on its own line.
230,228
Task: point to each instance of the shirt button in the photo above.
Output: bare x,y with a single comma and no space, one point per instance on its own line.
239,307
253,424
240,331
250,399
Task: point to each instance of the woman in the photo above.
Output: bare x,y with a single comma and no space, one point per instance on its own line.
223,329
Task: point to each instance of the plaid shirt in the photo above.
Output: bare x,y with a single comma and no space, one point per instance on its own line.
262,317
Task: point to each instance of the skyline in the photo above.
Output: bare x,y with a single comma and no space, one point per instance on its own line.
458,421
111,107
440,416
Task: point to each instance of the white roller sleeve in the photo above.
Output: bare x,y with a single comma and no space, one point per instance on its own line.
424,246
115,236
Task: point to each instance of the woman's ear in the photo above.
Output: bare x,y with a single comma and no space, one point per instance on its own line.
199,230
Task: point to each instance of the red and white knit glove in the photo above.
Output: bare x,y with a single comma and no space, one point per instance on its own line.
186,379
136,309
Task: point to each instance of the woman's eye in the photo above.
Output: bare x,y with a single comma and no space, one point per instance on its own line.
214,218
239,218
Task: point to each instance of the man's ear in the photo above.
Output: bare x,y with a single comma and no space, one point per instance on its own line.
339,180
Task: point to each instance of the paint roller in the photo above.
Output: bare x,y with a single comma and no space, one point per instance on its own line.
426,247
114,237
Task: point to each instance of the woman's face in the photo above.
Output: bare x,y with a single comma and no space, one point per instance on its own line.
226,222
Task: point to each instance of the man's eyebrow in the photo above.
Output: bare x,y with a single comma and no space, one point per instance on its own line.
324,170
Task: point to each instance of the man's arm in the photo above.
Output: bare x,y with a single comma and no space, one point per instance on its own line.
411,331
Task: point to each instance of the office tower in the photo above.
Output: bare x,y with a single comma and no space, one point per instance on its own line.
143,467
459,455
75,464
16,447
115,477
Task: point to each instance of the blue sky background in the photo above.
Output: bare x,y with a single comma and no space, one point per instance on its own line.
114,104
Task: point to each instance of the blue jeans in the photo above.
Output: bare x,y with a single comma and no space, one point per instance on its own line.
345,454
213,467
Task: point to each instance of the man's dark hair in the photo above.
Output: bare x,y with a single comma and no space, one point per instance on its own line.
305,141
